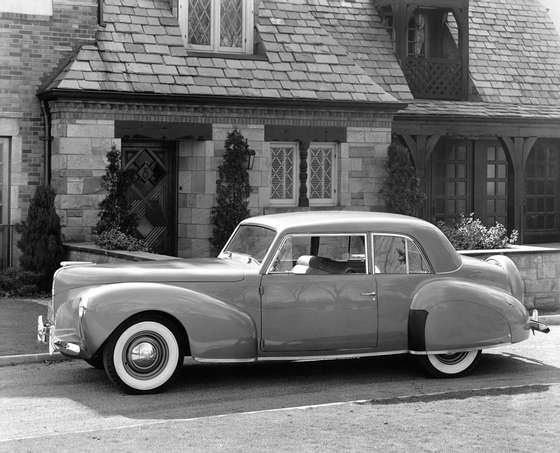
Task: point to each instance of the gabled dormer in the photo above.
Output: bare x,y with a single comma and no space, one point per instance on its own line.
430,38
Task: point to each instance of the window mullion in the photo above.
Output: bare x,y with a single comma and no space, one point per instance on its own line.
215,31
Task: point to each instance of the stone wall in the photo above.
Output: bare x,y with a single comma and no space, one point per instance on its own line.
362,167
540,269
78,160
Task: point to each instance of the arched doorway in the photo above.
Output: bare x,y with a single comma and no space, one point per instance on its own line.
471,176
542,192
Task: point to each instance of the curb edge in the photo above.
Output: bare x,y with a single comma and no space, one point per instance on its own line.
20,359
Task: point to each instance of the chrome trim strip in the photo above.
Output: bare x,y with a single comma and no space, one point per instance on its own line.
451,351
203,360
300,358
316,358
356,355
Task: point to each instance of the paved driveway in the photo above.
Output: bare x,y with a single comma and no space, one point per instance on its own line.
511,403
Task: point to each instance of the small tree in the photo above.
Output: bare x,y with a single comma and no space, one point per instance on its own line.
232,189
41,241
115,208
401,189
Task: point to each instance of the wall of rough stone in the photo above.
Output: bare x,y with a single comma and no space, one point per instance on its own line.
363,165
78,161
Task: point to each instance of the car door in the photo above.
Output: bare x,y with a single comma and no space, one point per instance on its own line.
400,267
319,295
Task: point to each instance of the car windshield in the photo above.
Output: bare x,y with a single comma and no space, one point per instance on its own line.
249,240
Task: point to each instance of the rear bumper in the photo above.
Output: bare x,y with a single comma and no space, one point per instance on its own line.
538,326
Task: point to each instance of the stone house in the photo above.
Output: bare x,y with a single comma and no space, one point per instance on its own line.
319,88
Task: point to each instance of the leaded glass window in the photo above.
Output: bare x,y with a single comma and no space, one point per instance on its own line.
231,23
283,171
287,166
199,22
217,25
321,160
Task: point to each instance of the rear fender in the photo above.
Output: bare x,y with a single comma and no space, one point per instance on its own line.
215,329
451,314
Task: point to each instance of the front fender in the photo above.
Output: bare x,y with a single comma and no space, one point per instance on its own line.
215,329
451,314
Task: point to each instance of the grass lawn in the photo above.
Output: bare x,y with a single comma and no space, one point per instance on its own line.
18,326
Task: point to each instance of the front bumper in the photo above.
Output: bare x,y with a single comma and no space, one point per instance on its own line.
45,335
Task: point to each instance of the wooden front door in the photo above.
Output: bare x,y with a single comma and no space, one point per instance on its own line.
153,191
470,176
451,192
542,184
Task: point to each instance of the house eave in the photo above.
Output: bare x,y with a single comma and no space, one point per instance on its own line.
117,96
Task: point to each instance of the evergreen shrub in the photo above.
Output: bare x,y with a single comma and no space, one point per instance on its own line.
20,283
401,188
232,189
41,240
116,228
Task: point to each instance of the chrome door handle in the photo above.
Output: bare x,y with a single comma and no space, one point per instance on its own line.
372,294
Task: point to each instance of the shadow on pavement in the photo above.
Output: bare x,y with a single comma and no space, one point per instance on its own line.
206,390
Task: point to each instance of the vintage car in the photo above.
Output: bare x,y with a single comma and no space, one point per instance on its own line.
293,286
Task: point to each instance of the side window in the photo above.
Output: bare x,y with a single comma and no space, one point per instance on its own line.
389,254
321,254
398,255
417,264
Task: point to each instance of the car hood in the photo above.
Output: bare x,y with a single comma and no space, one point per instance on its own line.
176,270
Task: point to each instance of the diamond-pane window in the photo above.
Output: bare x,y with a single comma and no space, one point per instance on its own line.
282,170
321,170
287,168
217,25
199,21
231,23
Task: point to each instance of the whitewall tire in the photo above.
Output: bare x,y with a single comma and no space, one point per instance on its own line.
450,365
142,356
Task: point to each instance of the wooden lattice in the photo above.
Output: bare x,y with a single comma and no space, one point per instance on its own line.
434,78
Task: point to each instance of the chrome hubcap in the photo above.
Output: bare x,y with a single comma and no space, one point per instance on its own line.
145,355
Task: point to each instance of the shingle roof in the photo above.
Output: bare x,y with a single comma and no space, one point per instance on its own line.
480,110
357,26
317,49
141,51
514,52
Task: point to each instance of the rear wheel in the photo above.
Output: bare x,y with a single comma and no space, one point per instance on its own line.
143,355
450,365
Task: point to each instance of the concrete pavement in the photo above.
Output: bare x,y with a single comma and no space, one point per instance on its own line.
510,403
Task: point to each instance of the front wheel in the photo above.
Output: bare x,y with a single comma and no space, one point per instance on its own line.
142,356
450,365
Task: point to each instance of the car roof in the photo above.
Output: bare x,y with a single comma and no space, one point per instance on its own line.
440,252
